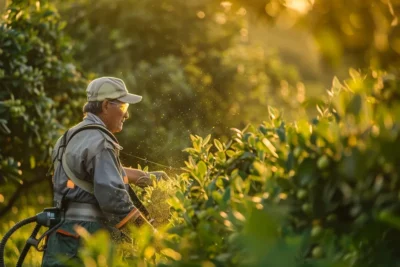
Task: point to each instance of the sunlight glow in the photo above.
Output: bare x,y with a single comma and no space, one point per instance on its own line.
242,11
220,18
201,14
302,6
226,5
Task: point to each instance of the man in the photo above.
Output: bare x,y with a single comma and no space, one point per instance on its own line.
89,180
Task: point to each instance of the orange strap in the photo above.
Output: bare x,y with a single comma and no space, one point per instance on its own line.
63,232
70,184
134,214
126,181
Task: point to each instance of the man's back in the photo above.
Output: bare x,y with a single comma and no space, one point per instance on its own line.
92,156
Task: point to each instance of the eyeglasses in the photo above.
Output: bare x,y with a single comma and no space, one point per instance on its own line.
122,106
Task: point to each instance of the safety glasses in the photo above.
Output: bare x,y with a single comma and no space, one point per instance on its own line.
122,106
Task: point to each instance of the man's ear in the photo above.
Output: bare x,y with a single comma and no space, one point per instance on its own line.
104,106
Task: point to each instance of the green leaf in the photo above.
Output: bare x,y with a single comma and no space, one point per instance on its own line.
304,128
221,155
336,85
270,147
355,104
354,74
306,171
238,132
273,113
281,132
230,153
228,145
32,161
218,145
202,168
388,217
206,140
259,167
190,150
216,196
227,195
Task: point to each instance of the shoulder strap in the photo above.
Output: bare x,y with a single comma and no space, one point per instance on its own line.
96,127
85,185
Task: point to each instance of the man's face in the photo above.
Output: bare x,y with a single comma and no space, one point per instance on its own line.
117,113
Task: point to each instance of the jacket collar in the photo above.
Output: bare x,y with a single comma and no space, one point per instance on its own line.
90,117
94,119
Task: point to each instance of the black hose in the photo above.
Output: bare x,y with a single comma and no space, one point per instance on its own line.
9,233
28,245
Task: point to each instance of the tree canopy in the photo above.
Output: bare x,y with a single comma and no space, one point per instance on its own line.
41,90
189,59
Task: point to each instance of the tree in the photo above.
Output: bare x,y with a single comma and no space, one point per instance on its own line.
41,91
191,61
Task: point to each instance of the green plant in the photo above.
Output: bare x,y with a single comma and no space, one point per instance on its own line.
318,193
335,176
41,91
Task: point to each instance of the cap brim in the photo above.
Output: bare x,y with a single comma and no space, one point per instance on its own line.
130,98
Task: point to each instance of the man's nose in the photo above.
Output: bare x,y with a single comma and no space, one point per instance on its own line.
126,115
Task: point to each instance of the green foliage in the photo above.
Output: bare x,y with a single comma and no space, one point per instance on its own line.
191,61
321,192
336,176
318,193
24,210
40,87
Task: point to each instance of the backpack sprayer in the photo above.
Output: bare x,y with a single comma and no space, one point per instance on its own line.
54,217
50,217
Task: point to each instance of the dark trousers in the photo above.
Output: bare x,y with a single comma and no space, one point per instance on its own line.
63,244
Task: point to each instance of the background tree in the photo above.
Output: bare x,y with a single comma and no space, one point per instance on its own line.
191,61
359,34
41,91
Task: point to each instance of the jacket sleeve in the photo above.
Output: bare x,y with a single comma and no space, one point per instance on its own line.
110,191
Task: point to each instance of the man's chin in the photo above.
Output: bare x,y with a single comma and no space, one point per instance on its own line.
117,129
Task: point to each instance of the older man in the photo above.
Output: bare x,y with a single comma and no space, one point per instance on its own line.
89,180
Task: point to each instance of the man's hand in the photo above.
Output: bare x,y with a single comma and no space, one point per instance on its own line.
142,179
159,175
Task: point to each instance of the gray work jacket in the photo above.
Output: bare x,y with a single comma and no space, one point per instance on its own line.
93,156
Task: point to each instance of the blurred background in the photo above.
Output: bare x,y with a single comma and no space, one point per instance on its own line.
202,67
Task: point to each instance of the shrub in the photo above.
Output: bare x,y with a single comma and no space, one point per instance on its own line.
318,193
336,175
39,88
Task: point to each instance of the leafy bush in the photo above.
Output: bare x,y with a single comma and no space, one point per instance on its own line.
40,86
337,176
319,193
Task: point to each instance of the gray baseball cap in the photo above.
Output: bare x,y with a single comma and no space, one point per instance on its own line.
110,88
